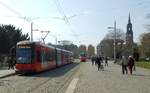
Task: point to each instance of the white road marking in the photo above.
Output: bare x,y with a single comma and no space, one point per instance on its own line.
72,85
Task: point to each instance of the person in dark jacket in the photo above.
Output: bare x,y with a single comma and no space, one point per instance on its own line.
99,63
131,64
12,60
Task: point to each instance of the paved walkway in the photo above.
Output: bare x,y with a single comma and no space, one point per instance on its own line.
89,80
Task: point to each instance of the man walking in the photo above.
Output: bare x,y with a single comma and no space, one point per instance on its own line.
124,63
99,63
12,60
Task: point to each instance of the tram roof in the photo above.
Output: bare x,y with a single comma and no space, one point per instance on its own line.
34,42
40,43
25,42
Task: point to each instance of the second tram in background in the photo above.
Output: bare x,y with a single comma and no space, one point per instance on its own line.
37,57
83,57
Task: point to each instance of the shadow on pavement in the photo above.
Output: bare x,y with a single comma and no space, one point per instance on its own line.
57,72
108,71
142,75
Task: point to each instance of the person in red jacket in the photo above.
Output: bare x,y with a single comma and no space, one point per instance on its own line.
131,64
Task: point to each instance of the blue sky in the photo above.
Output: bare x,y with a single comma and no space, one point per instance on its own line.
89,26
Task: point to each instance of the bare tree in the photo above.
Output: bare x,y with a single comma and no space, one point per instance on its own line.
119,35
145,44
107,44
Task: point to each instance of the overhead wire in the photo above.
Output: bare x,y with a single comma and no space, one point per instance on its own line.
10,9
28,19
19,15
64,17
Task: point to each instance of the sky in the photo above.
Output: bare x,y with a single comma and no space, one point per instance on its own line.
80,21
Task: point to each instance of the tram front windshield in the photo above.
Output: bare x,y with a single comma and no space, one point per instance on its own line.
83,55
23,55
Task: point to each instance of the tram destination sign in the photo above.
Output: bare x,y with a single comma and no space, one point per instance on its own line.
24,46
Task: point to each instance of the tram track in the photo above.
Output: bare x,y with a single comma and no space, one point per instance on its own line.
67,82
52,81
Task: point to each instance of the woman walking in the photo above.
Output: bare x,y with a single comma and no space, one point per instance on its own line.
131,64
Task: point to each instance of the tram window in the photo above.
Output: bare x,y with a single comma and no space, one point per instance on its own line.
50,56
38,56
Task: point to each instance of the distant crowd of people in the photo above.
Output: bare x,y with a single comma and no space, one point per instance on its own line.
127,63
98,61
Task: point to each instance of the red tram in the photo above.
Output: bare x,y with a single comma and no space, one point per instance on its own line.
83,57
38,57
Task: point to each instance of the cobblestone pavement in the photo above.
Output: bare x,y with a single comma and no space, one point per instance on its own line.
5,73
88,79
47,82
111,80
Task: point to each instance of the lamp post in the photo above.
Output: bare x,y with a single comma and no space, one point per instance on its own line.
114,28
31,31
31,20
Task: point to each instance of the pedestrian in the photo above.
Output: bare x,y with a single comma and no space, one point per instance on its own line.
93,60
106,61
96,60
9,63
131,64
124,63
99,63
12,61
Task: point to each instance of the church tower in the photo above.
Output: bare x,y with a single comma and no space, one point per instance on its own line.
129,39
129,33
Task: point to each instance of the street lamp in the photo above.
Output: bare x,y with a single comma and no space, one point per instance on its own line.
31,24
31,20
114,28
32,31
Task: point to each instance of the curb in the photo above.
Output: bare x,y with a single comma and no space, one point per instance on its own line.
11,74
